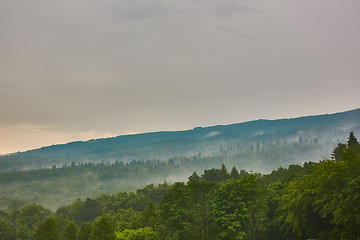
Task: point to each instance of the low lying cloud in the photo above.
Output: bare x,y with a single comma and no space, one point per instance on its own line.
144,9
212,134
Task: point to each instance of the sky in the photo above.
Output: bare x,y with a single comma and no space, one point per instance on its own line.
81,69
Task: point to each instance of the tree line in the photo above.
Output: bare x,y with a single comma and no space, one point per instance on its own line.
316,200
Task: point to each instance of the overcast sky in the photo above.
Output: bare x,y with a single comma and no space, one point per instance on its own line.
81,69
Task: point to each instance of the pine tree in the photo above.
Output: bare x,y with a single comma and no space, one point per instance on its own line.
234,173
223,174
336,153
353,142
194,177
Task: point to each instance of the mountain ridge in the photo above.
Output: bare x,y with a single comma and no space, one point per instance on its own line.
355,111
207,140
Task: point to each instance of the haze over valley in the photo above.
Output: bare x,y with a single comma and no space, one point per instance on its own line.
179,120
126,163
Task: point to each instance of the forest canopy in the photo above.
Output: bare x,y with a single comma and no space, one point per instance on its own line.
312,201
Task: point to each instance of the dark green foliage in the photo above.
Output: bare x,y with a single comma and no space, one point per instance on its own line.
149,217
124,200
154,193
353,142
31,215
176,213
194,177
238,208
7,230
185,211
61,185
24,221
138,234
70,232
103,229
309,201
90,210
125,219
216,175
338,151
325,202
234,173
85,231
82,211
23,232
48,230
200,193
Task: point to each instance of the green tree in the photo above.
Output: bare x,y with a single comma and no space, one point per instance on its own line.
338,151
296,214
85,231
176,214
103,229
70,232
149,217
125,219
23,232
325,203
238,208
234,173
353,142
89,211
31,215
48,230
137,234
200,204
194,177
216,175
7,230
223,174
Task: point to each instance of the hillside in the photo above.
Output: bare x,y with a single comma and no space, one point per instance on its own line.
310,201
326,129
62,173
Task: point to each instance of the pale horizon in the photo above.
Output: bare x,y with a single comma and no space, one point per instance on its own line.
63,138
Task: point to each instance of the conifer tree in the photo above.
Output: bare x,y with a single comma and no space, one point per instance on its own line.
234,173
353,142
194,177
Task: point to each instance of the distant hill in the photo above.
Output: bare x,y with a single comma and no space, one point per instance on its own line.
326,130
63,173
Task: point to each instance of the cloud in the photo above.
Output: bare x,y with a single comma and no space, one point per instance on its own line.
136,9
228,8
224,8
145,9
239,33
142,65
212,134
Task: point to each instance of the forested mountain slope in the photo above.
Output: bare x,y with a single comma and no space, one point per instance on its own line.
209,141
126,163
318,200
